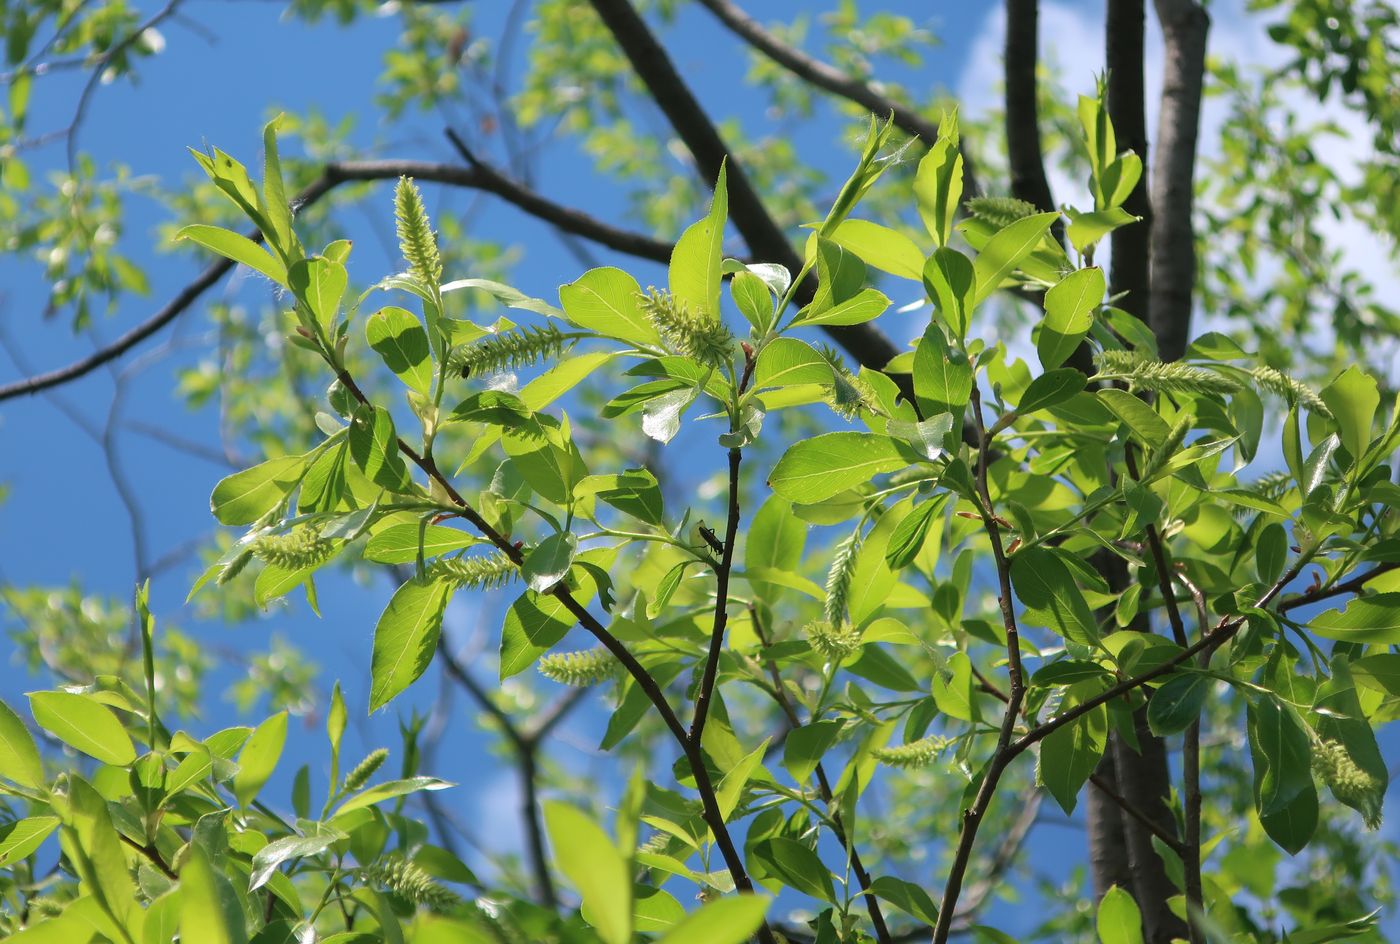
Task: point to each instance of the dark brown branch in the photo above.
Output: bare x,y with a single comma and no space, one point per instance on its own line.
1025,155
1190,852
477,177
1124,57
1184,27
828,78
1221,634
765,239
1003,754
721,620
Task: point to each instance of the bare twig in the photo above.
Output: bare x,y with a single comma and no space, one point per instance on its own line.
828,78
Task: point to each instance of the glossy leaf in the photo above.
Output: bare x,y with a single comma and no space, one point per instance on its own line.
84,724
406,637
816,469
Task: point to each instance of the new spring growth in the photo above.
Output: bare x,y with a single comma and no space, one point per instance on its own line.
416,240
580,669
297,549
485,572
510,350
1349,783
410,882
915,754
365,769
697,335
1145,373
834,641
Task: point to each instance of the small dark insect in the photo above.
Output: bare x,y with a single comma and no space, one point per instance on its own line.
711,539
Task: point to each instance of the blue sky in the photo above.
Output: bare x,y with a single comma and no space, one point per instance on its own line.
220,92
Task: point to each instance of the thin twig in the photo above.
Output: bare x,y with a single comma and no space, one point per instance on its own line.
1003,755
721,619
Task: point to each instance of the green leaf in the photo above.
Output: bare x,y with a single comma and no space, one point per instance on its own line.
635,492
1177,703
881,247
19,757
536,622
279,212
607,300
698,255
1352,397
375,447
951,282
271,856
21,837
320,284
804,747
815,469
210,912
1370,619
786,361
1004,252
942,377
1379,672
866,305
549,561
507,295
585,854
1281,753
389,790
1086,229
1050,389
1140,418
238,248
1043,583
1069,754
796,866
1119,920
1271,552
1069,313
92,841
84,724
938,182
753,299
406,637
399,543
399,338
731,788
908,537
730,920
246,496
259,757
906,896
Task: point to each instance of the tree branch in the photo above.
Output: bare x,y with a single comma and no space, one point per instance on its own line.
765,239
1123,34
726,562
1025,154
828,78
644,679
1184,27
1003,755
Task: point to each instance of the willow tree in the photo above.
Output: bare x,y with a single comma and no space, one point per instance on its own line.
1061,546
